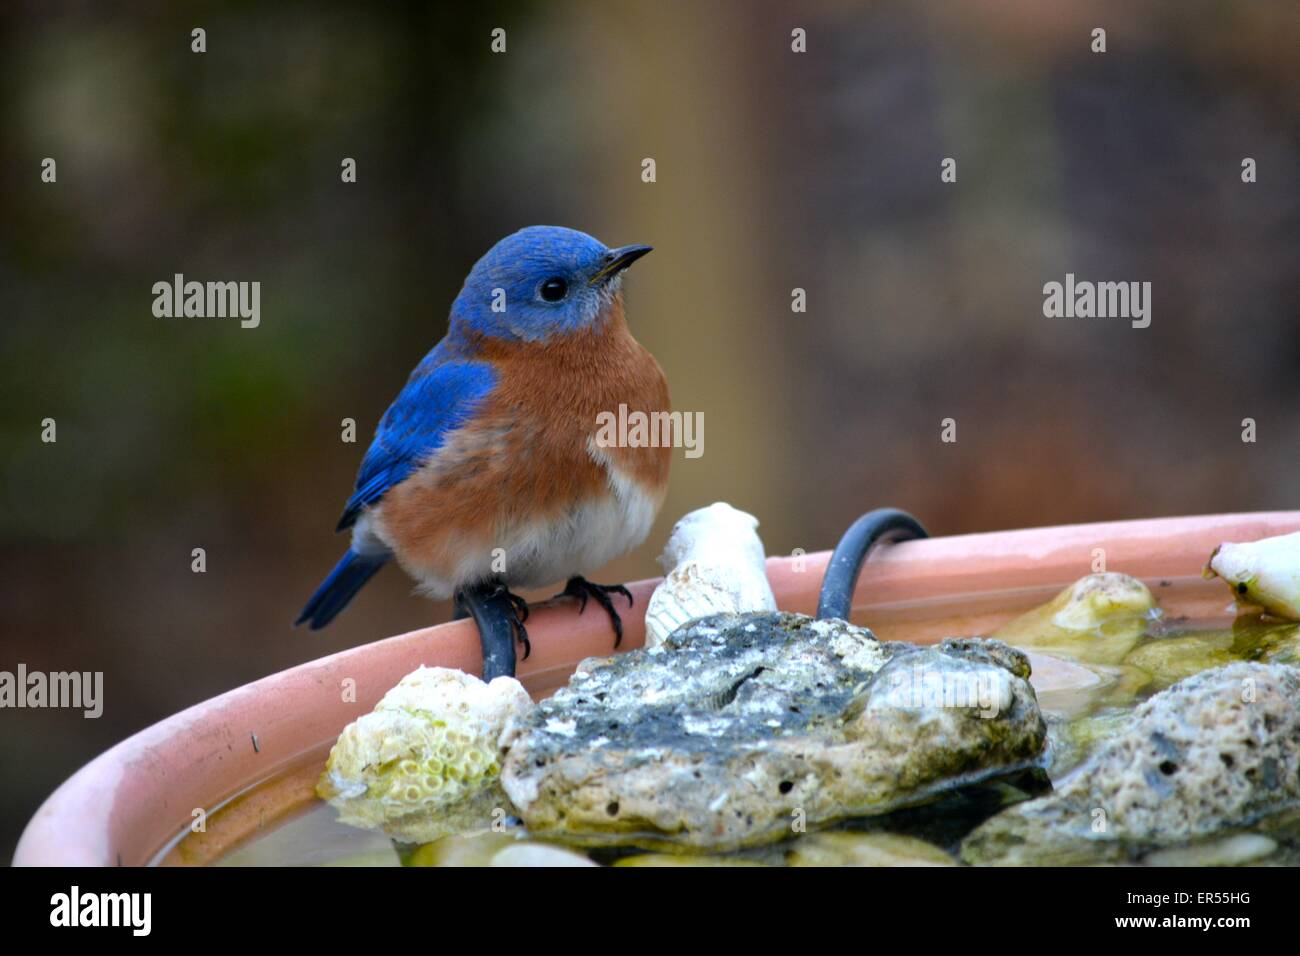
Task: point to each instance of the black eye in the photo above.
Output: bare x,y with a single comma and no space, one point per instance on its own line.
553,290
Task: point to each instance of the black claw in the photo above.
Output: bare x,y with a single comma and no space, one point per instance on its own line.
577,588
520,608
521,634
520,605
581,588
619,589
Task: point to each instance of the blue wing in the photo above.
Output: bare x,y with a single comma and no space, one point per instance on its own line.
440,396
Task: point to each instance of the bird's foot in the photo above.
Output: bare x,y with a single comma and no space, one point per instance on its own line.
519,609
582,589
499,616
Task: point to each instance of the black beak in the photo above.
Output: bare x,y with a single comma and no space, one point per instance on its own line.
616,260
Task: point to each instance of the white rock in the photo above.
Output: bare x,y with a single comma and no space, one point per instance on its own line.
866,849
536,854
1229,851
714,562
1264,572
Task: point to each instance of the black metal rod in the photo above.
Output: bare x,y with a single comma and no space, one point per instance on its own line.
883,524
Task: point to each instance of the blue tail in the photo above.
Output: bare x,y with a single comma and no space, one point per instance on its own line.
348,577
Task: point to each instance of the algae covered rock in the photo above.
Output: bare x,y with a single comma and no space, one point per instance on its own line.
1096,620
1282,646
739,726
1265,573
1171,659
1215,752
1265,638
1168,660
426,761
1073,740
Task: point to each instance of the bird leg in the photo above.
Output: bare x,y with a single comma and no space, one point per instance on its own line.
582,589
499,616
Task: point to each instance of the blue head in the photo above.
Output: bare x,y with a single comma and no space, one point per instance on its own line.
539,282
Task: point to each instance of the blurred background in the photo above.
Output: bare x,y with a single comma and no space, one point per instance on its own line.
775,170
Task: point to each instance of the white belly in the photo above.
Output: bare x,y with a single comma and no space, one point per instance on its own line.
582,542
546,551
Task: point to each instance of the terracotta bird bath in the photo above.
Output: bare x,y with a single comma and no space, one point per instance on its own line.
130,805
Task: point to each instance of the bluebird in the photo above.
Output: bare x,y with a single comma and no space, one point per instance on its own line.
484,475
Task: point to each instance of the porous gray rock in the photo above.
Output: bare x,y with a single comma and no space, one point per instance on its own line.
741,724
1215,752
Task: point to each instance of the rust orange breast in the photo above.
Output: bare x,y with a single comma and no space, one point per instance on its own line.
526,456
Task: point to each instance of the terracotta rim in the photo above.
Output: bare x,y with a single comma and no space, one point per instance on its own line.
126,805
